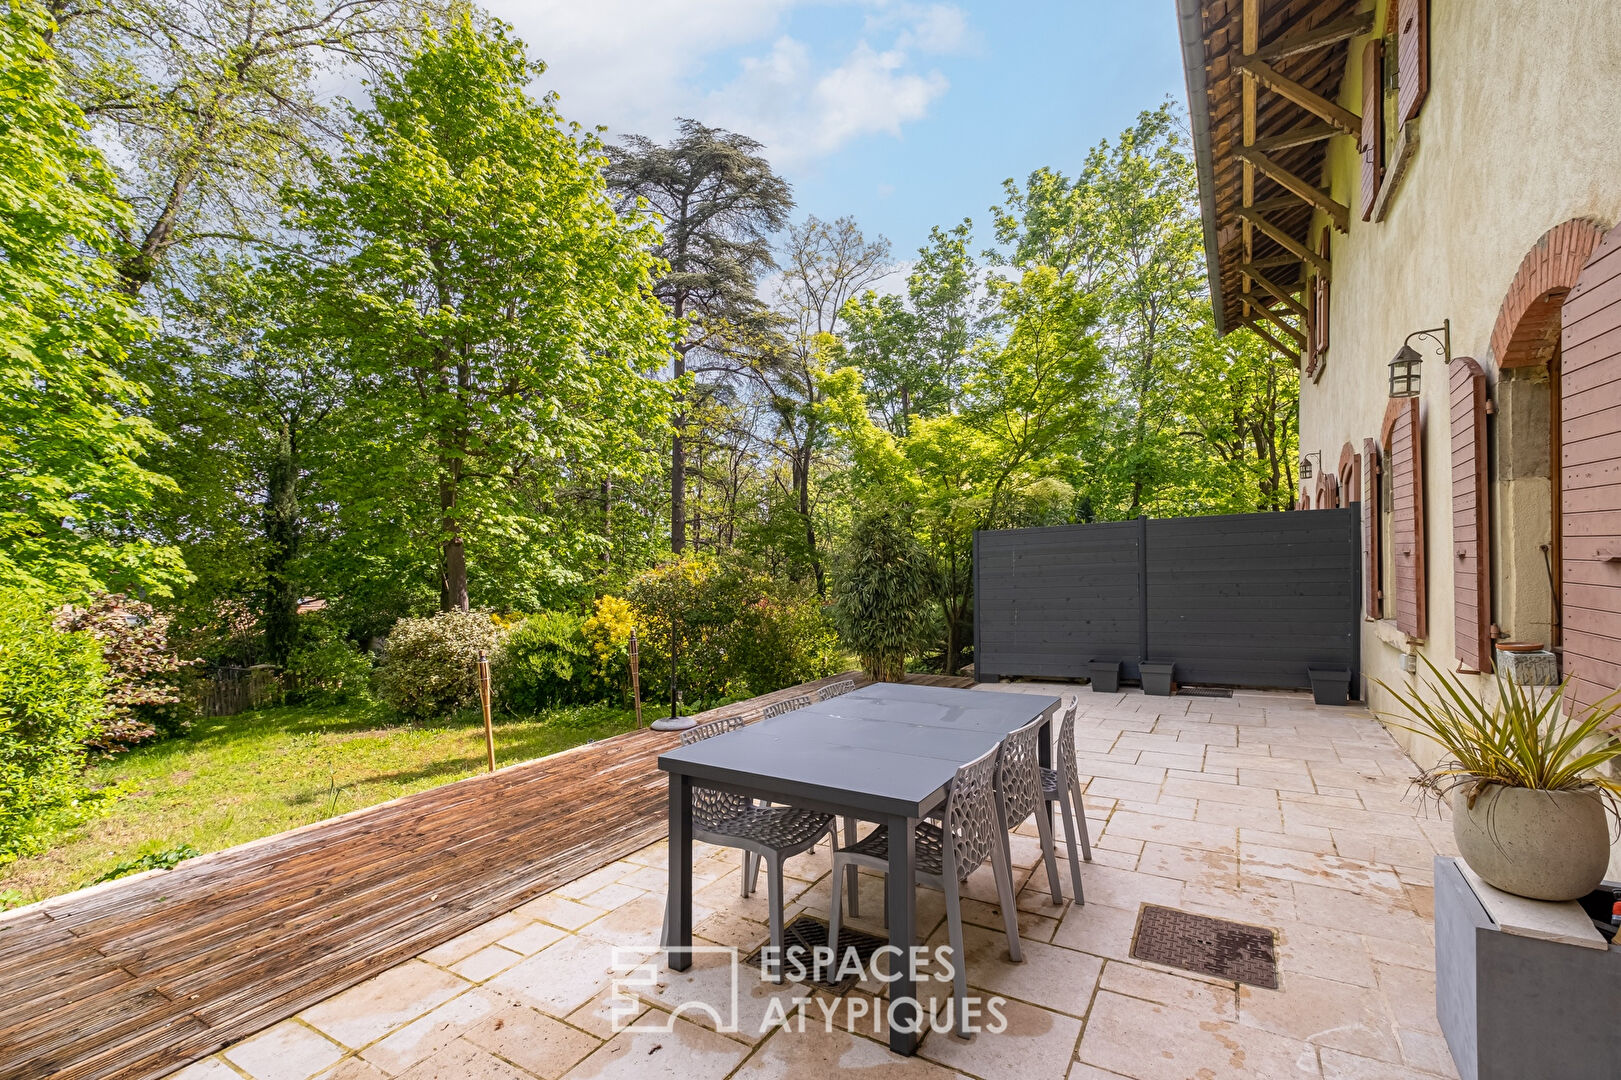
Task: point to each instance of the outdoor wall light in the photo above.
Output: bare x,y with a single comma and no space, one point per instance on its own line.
1305,463
1404,369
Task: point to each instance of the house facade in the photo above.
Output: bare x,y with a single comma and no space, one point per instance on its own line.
1419,200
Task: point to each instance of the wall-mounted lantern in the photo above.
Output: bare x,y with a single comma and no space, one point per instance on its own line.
1405,368
1305,463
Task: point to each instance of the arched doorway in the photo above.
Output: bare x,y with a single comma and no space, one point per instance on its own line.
1525,437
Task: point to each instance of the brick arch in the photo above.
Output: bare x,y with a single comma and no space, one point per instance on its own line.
1350,472
1527,329
1328,491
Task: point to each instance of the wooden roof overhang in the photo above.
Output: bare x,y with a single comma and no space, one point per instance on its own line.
1263,82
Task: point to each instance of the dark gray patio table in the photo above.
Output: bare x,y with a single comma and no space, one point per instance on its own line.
884,753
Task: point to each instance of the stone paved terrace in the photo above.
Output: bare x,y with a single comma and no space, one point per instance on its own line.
1264,808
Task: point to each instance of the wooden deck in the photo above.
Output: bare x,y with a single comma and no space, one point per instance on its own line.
137,978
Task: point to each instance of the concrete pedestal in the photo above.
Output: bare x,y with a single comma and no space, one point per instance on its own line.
1523,988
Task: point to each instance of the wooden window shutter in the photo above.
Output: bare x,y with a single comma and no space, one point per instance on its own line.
1370,530
1407,512
1590,511
1320,295
1413,57
1470,537
1372,142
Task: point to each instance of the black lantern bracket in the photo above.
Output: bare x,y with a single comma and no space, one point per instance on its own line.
1305,463
1404,369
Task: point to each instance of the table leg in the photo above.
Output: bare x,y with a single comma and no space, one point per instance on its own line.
904,1018
678,932
1044,756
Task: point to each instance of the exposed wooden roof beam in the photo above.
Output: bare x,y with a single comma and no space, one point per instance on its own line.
1273,261
1329,33
1344,119
1289,243
1266,335
1298,186
1300,136
1249,40
1274,288
1281,202
1277,320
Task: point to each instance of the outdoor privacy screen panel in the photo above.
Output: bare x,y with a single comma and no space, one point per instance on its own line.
1237,600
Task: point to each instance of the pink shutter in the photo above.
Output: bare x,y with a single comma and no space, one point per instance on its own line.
1407,512
1372,142
1413,57
1470,537
1590,479
1370,530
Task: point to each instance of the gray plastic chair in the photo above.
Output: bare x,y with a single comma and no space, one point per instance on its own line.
787,705
1062,785
834,689
946,853
763,832
1018,796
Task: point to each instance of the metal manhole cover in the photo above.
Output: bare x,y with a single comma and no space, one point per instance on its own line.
806,934
1216,947
1204,691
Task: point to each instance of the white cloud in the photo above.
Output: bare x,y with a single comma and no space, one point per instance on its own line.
635,65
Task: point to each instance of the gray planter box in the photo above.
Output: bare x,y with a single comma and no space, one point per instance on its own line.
1330,686
1158,677
1105,676
1514,1007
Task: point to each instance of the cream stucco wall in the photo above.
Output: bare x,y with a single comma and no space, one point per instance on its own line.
1521,131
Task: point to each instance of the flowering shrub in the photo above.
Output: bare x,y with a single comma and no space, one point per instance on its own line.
608,631
51,704
547,660
142,695
430,667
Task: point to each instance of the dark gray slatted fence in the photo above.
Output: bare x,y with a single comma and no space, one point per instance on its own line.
1238,600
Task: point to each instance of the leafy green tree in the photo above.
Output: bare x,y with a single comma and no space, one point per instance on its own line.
213,104
249,392
51,687
498,315
719,202
881,593
74,446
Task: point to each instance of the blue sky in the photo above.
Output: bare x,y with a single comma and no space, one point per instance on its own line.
903,114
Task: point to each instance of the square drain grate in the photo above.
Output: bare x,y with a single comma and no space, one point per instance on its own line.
805,934
1216,947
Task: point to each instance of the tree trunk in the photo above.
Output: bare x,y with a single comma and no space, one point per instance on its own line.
678,459
607,523
282,528
453,581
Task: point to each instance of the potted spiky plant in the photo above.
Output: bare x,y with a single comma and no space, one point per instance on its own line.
1525,781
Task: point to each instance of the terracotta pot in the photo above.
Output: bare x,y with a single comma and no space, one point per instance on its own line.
1547,845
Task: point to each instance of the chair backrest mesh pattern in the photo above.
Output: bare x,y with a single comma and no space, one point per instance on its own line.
970,816
777,708
1018,772
834,689
1067,767
709,805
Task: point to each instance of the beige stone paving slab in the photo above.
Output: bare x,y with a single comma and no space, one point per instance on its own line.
382,1003
1411,994
1195,866
684,1052
461,1060
635,924
528,941
559,911
287,1051
1147,827
1034,1043
1376,913
461,947
1135,1039
1261,818
1080,1070
707,992
1325,951
353,1069
586,884
427,1035
605,1014
1425,1051
1183,990
1052,977
562,977
1339,1065
532,1040
1260,901
1333,871
819,1054
1098,929
489,962
1323,1012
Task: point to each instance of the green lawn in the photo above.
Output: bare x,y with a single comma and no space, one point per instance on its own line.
235,778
